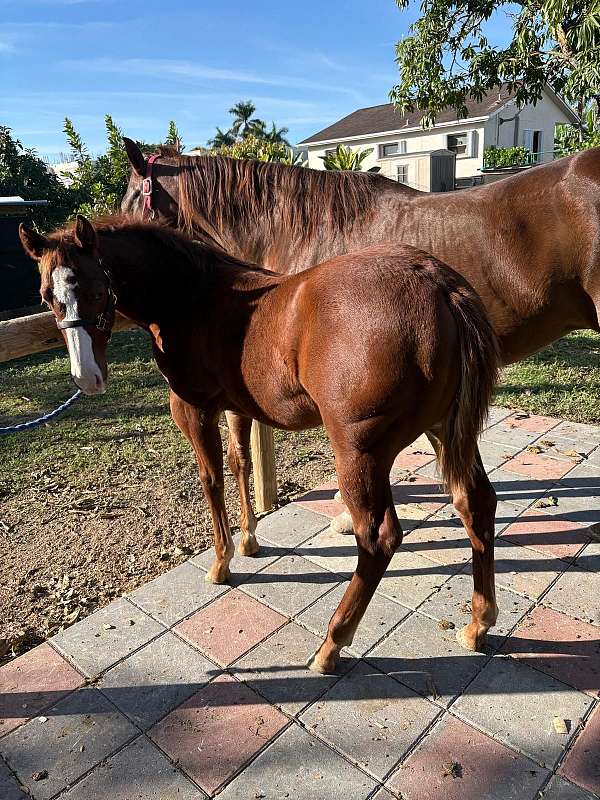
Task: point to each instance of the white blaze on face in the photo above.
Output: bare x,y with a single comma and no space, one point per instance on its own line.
84,369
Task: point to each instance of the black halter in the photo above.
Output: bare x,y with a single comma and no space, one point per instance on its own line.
103,321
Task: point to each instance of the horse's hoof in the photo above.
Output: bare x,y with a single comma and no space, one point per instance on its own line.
342,524
338,497
217,574
470,640
249,546
324,666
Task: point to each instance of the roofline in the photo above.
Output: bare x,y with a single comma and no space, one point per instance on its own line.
20,203
394,132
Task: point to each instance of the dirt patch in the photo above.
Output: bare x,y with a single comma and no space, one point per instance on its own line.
69,546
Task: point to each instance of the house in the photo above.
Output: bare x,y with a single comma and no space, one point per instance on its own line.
402,148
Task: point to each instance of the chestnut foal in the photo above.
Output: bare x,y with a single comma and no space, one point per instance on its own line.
378,346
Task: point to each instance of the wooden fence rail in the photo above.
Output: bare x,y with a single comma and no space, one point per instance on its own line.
36,333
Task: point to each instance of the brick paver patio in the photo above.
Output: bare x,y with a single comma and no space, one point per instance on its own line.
184,690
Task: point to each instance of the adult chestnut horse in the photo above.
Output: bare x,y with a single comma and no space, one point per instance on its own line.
378,346
529,244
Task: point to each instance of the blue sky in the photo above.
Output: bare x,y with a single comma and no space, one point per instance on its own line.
147,61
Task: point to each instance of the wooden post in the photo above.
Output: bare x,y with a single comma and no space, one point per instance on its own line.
263,467
36,333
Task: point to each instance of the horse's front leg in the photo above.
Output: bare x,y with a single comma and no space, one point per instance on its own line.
238,456
365,488
202,431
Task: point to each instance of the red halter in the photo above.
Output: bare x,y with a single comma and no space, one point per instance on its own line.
148,211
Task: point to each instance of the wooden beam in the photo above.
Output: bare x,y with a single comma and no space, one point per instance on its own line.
263,467
37,333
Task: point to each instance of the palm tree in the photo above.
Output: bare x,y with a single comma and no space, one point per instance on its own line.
344,158
277,135
221,139
242,118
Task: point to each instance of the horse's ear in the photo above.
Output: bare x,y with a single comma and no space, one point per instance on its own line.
85,234
34,243
135,156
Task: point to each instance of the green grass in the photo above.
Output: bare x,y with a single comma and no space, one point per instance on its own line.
131,425
561,381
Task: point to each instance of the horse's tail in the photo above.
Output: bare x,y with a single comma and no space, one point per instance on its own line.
479,366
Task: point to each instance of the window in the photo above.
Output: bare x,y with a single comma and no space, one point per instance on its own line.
532,140
330,152
458,143
392,148
402,173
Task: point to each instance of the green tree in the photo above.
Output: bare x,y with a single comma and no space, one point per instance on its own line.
344,158
173,137
447,57
243,124
24,174
572,138
260,149
221,139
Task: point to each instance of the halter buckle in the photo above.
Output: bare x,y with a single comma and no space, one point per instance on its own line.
147,187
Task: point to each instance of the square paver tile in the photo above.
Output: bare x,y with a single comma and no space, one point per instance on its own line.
243,567
494,455
533,423
562,646
578,495
442,538
560,789
412,459
589,558
576,593
506,513
336,552
380,617
138,772
31,683
517,489
485,769
582,765
76,734
291,525
578,431
497,414
214,733
419,491
453,604
411,578
298,765
517,705
504,434
277,668
547,534
370,718
176,594
524,571
9,787
156,678
107,636
427,659
534,465
321,500
291,584
230,626
411,515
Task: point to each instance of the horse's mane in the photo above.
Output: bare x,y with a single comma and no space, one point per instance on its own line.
243,193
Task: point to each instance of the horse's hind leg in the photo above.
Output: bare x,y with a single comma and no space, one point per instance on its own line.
202,432
238,456
366,490
476,507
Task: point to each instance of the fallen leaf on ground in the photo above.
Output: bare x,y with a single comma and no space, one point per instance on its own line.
560,725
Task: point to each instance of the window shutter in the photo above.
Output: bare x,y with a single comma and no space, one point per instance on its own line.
402,144
473,144
528,139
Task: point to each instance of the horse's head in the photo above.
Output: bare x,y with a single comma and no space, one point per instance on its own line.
77,288
152,189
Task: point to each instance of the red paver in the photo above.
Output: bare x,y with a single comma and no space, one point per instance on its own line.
533,423
547,534
421,491
533,465
320,500
217,731
412,459
582,764
566,648
33,682
230,626
486,770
